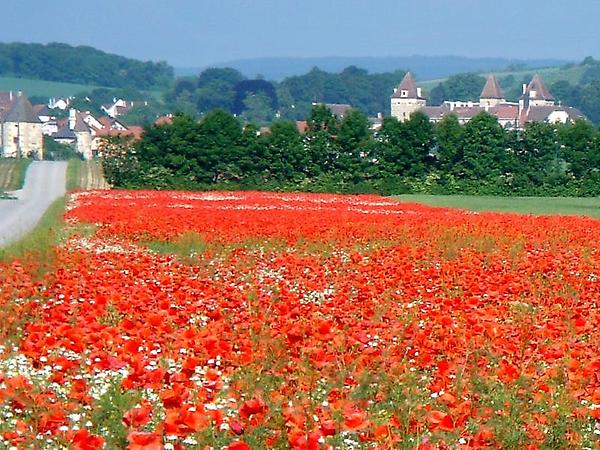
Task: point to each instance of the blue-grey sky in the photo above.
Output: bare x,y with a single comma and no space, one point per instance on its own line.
195,33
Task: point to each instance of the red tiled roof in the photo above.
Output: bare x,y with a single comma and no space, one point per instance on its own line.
302,126
134,131
164,120
505,111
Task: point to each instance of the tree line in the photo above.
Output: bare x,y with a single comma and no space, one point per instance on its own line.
416,156
82,65
261,101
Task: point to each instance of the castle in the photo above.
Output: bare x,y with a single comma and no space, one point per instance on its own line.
536,104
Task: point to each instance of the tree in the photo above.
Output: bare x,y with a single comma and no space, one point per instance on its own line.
220,135
257,109
484,149
466,86
577,140
448,137
418,142
353,137
320,140
287,157
540,155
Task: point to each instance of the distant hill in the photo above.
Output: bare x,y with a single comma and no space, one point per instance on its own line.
424,67
81,65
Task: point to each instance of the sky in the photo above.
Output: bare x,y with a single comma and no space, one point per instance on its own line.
198,33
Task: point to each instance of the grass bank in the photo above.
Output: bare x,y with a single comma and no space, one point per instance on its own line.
571,206
85,175
12,173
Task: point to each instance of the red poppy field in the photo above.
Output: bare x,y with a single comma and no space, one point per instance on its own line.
231,320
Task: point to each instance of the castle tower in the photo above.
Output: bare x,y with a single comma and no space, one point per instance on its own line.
536,93
407,98
492,94
22,131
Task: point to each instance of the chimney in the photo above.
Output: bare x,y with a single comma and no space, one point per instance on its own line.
395,90
524,88
72,118
419,92
10,96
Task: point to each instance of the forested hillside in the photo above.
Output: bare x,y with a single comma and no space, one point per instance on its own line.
253,99
81,65
425,67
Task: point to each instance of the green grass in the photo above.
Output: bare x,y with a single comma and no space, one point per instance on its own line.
43,88
572,206
12,173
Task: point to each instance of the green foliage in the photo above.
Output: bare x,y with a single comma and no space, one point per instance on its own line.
368,92
81,65
293,97
55,151
257,109
466,86
483,149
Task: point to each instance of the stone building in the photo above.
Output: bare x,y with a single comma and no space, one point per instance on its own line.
536,104
21,131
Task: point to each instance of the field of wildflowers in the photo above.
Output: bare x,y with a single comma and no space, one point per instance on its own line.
245,320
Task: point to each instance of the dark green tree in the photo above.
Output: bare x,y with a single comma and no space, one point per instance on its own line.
353,138
577,142
320,140
288,160
449,139
484,149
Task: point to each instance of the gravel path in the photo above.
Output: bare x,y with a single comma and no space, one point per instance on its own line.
44,182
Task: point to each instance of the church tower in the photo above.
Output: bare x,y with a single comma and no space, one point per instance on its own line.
492,94
407,98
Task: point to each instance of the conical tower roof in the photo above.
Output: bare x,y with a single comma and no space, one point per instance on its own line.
492,89
540,88
409,85
22,112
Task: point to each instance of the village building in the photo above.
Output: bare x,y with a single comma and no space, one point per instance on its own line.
120,107
59,103
536,104
86,133
20,128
